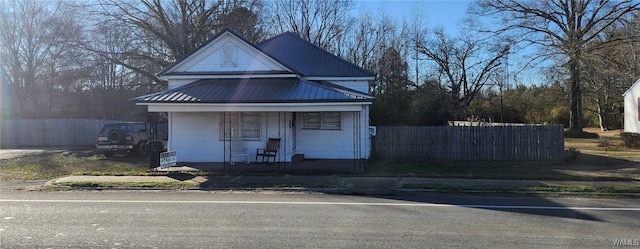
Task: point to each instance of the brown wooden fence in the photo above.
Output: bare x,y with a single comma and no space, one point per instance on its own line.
49,132
469,143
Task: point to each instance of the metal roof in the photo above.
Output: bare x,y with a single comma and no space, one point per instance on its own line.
309,59
255,90
227,73
295,53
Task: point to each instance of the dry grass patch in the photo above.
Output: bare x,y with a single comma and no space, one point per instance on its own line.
609,145
53,165
603,157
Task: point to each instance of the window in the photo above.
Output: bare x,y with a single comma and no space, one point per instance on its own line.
240,125
311,121
321,121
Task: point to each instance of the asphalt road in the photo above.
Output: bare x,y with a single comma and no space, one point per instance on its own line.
200,219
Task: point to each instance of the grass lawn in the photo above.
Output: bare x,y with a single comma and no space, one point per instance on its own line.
586,159
50,166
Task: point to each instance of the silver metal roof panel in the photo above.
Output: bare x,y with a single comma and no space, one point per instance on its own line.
256,90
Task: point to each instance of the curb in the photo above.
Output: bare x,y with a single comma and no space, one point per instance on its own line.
348,185
52,185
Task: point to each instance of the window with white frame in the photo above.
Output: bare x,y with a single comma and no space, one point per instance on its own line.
321,121
240,125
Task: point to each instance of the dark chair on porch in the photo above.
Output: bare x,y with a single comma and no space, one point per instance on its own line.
271,151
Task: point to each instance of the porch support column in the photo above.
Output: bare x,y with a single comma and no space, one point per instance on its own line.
282,134
357,142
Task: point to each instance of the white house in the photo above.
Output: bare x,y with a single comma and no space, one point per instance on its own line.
283,87
632,108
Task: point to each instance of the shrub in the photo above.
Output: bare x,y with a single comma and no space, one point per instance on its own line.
571,154
580,134
604,142
631,140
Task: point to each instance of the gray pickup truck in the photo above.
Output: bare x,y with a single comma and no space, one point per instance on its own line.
129,137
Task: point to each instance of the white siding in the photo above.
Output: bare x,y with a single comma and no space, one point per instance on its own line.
179,83
211,58
361,86
631,115
244,62
196,136
335,144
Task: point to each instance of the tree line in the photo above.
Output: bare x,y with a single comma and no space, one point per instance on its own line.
77,59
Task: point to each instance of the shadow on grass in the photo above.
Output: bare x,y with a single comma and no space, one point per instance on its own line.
584,168
180,176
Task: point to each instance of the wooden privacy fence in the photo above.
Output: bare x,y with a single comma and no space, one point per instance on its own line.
49,132
469,143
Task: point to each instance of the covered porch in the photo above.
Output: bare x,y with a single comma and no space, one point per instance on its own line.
216,137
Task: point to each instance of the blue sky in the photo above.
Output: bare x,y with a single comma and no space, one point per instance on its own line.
448,14
438,12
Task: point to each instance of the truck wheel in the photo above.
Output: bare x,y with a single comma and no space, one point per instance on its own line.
109,153
142,148
115,136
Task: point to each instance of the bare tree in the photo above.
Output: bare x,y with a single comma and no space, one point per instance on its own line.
168,30
366,41
392,73
561,27
320,22
180,25
23,48
110,83
35,50
463,67
608,72
246,23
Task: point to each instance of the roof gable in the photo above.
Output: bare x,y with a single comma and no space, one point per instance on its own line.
632,87
225,53
309,59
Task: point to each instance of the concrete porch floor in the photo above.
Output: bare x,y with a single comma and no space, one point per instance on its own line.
308,166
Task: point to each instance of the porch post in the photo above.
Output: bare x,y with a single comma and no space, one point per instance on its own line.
224,141
357,142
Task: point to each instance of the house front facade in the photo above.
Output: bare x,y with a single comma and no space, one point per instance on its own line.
632,108
230,89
